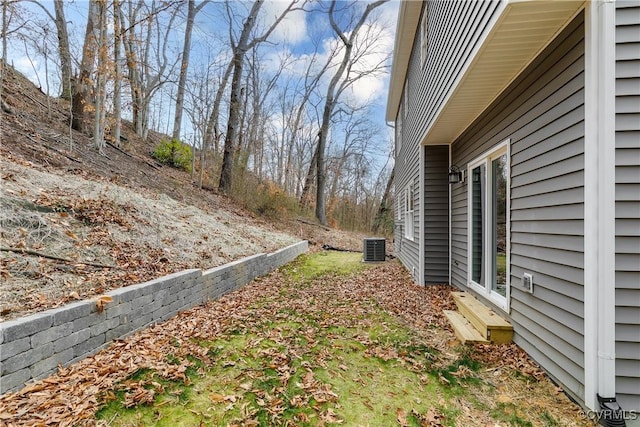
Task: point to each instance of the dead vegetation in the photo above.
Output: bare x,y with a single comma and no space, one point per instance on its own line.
75,223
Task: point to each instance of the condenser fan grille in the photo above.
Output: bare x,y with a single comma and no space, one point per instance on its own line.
374,249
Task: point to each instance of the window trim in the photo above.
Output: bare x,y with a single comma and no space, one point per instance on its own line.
399,203
399,122
486,290
405,99
409,209
424,35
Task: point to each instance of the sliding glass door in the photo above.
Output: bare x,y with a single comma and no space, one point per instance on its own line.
498,179
488,195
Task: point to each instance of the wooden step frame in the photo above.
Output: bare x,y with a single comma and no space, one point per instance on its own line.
490,326
464,330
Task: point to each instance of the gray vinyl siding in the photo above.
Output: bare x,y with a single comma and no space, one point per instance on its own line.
542,112
407,166
628,204
436,214
454,30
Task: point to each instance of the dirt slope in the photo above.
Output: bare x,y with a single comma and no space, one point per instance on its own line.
88,222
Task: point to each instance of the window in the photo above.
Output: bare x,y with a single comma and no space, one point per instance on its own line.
424,35
399,204
408,212
405,98
399,133
488,248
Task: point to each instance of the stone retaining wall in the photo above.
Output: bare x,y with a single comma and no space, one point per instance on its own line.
32,347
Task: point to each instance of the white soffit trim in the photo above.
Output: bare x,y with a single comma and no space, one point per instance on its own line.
407,27
521,32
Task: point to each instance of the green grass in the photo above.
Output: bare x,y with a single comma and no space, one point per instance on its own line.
370,389
314,364
308,267
510,414
501,263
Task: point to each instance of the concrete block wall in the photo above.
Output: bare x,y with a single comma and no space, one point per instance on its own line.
32,347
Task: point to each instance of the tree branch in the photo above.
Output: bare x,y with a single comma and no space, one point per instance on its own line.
39,254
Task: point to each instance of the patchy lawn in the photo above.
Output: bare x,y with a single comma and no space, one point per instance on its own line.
327,340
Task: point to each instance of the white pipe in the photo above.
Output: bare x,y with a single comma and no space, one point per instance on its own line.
599,204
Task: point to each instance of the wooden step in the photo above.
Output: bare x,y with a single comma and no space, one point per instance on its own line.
463,329
491,326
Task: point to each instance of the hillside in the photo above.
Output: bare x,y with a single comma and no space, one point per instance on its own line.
76,223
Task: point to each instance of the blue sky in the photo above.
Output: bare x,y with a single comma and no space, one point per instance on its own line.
294,37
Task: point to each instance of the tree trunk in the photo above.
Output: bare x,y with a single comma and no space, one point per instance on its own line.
131,60
211,131
101,78
384,203
83,88
233,121
305,198
117,82
239,52
320,169
63,49
3,61
186,49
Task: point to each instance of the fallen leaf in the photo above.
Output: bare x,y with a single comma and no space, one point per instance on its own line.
101,301
401,416
217,397
503,398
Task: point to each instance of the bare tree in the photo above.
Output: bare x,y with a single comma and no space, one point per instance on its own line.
63,49
191,16
385,203
212,131
101,77
117,77
3,63
198,112
145,77
240,48
311,82
357,131
258,90
337,85
64,52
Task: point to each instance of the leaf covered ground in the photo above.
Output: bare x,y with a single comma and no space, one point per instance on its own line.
327,340
75,223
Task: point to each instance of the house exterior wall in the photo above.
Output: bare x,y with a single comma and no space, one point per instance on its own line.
436,214
454,30
407,166
542,113
628,204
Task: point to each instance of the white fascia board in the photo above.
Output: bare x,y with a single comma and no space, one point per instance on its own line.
406,29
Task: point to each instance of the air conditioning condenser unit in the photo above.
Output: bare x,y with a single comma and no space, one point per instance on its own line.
374,249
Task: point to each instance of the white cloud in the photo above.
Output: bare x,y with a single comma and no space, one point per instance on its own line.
26,66
292,29
372,87
378,38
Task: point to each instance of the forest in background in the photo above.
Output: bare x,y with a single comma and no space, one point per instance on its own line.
288,128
